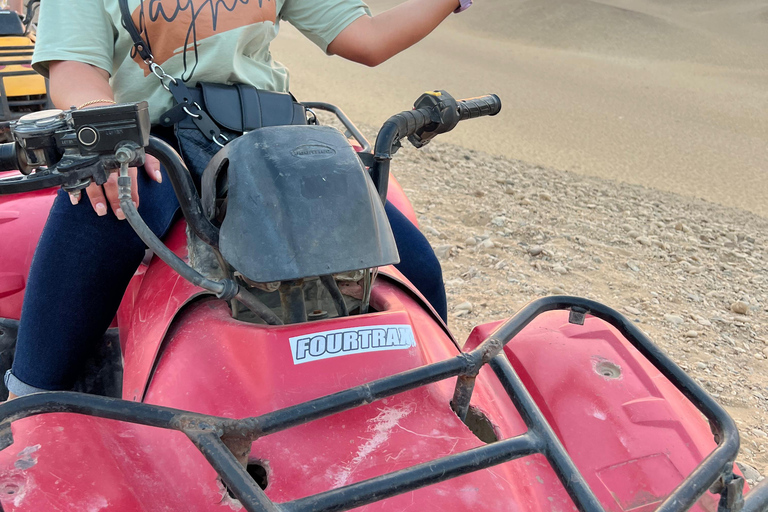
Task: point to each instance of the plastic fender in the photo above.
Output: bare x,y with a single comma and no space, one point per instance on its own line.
630,432
152,301
154,297
396,196
75,463
22,217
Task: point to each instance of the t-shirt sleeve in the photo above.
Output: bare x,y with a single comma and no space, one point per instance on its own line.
323,20
78,30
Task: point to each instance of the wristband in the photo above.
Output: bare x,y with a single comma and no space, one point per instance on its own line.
463,6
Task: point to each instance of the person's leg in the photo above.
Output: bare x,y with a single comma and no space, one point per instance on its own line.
81,268
418,261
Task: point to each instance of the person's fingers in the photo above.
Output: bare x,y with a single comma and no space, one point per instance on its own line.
110,190
113,195
96,196
152,168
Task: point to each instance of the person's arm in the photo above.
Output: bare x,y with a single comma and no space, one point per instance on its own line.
371,40
73,84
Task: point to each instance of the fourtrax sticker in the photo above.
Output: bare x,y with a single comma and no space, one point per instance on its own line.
357,340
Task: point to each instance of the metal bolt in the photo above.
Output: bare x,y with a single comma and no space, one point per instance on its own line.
124,154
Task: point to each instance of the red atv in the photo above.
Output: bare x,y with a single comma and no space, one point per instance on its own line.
271,358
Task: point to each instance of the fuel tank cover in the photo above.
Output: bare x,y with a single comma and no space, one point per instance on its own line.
299,204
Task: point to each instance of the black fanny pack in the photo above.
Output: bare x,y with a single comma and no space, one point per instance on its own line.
235,108
238,108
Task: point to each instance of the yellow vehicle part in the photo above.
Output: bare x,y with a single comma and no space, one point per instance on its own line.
25,85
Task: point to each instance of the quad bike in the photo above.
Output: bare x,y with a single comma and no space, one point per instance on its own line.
273,359
22,90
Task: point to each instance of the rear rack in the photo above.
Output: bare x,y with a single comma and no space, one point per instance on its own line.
219,438
11,109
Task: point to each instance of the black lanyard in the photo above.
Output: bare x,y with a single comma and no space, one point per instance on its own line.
179,90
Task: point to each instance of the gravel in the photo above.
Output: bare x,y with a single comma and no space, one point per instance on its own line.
691,274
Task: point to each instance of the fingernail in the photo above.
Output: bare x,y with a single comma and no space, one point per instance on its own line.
135,204
101,210
158,176
119,214
74,199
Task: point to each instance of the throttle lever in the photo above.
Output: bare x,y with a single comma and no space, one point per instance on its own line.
443,112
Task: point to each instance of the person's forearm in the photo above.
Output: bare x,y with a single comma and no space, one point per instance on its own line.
74,83
373,40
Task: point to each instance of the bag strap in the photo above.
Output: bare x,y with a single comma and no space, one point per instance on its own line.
141,47
177,88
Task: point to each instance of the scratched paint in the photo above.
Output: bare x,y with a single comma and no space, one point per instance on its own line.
381,428
27,458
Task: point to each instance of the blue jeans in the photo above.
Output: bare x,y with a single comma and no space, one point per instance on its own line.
83,264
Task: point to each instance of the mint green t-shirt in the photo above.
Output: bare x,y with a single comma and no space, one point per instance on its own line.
218,41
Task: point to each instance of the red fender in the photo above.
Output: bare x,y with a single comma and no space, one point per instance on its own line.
399,200
22,217
631,433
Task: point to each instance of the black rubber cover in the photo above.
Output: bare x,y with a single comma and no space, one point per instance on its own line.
300,205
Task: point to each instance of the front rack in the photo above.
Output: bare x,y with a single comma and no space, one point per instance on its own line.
219,439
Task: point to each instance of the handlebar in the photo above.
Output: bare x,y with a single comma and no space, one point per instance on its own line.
8,159
434,113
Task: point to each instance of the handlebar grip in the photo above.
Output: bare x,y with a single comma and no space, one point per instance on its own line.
477,107
398,127
411,121
8,159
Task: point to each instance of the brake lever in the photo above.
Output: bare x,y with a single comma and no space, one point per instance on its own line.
73,173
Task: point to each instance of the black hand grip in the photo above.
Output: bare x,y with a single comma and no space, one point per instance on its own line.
477,107
403,125
8,159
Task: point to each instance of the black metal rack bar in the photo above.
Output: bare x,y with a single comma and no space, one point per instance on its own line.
232,472
14,62
219,438
7,74
346,121
757,499
4,53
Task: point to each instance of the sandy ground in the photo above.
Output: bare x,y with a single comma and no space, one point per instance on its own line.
672,94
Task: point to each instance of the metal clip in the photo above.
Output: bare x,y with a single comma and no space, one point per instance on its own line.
191,114
165,78
222,136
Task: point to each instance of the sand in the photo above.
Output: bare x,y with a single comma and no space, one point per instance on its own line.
669,94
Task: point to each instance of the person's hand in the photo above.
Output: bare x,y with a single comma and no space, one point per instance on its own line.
100,196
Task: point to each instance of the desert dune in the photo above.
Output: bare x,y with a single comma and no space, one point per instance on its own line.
668,94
